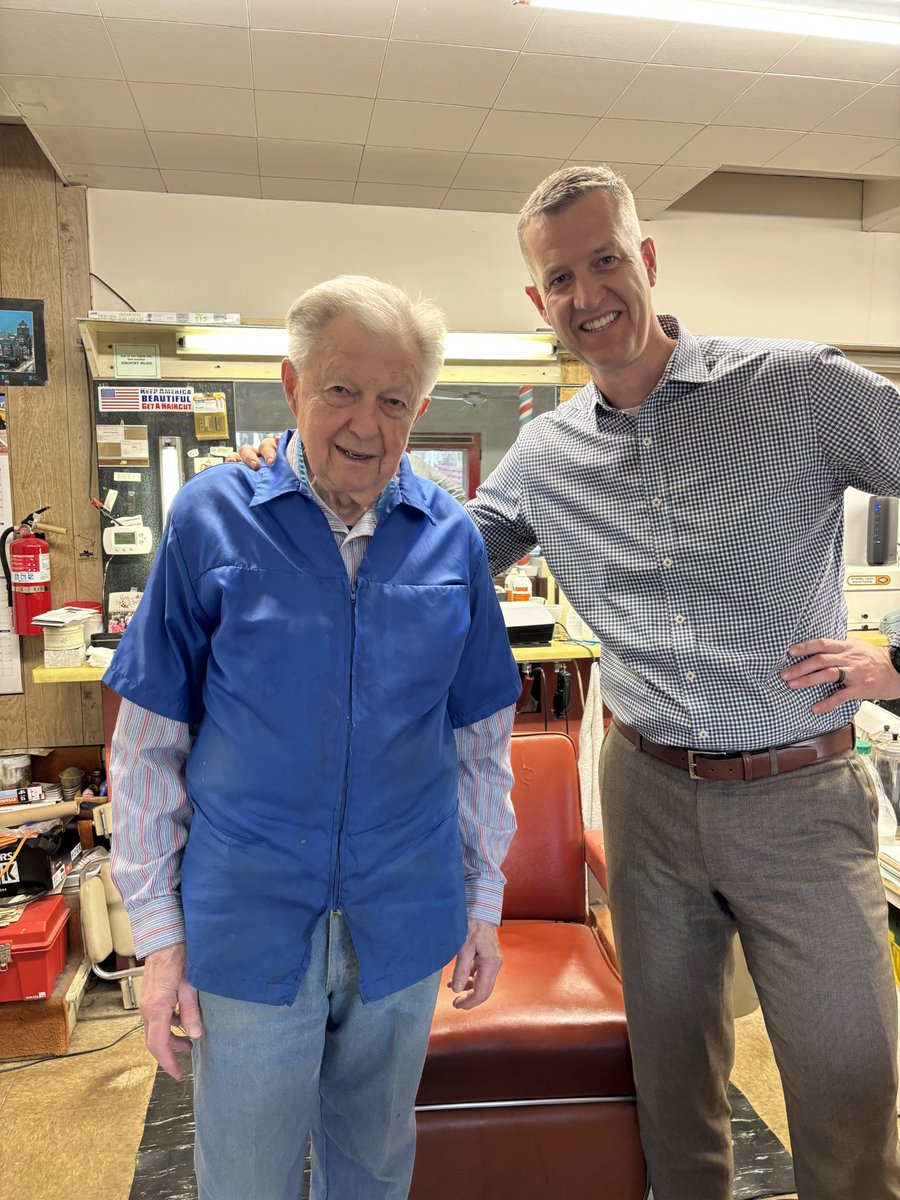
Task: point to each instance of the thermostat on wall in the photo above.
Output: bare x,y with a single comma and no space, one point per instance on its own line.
135,539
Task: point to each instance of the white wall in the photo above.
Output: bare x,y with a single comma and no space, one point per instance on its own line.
746,264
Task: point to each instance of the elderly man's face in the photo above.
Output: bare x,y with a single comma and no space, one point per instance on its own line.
355,401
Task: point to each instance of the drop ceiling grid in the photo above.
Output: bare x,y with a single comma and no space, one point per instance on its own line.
721,83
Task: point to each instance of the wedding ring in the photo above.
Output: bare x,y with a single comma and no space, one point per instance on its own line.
841,676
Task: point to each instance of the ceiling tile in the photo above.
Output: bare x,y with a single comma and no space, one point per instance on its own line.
829,152
531,134
735,146
472,201
713,46
428,126
875,114
181,108
635,141
837,58
317,62
397,196
210,183
361,18
197,12
308,160
668,183
83,7
102,147
394,164
444,74
169,52
55,101
648,209
463,23
504,172
789,102
126,179
327,191
893,79
634,174
45,43
632,39
556,83
885,164
313,118
205,152
682,93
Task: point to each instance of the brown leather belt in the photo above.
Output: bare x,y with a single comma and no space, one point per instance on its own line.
745,765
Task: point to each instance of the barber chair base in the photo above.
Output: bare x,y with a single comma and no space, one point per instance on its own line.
533,1152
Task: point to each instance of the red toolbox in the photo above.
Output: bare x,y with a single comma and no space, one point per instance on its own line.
33,949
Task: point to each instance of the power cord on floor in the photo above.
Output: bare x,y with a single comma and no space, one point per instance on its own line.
75,1054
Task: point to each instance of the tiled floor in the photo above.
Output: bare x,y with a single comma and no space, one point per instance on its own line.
71,1127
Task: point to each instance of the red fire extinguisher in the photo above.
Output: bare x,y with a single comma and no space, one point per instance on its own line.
27,572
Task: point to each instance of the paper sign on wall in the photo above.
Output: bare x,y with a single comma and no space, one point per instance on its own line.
123,446
136,362
146,399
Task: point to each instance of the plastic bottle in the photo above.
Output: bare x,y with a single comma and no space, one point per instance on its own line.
887,820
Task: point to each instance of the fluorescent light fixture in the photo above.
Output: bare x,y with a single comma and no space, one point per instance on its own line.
235,341
852,20
256,341
499,347
171,472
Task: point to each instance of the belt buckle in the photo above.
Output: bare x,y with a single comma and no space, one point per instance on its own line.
693,755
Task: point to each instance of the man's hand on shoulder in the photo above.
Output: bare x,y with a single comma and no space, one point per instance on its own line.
477,965
168,999
858,670
255,456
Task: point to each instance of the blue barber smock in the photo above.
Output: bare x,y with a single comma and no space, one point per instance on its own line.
324,770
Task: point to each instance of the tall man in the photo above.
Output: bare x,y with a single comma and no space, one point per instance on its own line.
336,618
689,501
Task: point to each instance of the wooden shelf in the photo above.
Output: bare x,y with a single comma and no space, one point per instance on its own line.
67,674
557,651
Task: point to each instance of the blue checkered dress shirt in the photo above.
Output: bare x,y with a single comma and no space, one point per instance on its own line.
702,535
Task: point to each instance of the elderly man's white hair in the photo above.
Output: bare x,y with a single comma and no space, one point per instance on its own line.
380,308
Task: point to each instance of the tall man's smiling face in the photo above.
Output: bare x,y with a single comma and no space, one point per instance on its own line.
592,285
355,399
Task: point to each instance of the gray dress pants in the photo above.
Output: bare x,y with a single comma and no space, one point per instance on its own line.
791,864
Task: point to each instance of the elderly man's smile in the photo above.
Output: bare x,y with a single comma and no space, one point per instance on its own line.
353,455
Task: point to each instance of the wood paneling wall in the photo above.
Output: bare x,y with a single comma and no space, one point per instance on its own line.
44,256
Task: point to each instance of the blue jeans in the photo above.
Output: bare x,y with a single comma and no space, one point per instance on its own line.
266,1077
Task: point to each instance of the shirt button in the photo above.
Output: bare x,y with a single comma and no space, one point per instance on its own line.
667,562
655,502
690,675
704,734
680,619
647,441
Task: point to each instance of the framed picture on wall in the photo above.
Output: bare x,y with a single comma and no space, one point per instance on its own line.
454,455
23,352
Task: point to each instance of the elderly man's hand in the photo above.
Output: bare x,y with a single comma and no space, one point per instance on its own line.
255,456
168,999
858,670
477,965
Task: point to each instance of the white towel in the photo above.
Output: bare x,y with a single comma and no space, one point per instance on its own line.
589,741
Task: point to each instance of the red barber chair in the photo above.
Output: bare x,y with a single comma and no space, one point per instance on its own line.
531,1094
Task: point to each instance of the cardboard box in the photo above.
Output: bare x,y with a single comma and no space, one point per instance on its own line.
33,950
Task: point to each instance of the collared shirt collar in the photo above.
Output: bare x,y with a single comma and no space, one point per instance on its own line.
288,474
686,363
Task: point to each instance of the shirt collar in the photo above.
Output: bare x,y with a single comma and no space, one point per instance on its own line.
686,363
288,474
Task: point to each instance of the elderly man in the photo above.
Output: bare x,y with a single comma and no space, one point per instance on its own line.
334,618
689,501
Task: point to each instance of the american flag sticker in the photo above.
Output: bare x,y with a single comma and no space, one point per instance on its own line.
120,399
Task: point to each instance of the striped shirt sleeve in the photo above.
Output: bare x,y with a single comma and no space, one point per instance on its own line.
152,815
486,818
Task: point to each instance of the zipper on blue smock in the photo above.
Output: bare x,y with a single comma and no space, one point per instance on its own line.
336,878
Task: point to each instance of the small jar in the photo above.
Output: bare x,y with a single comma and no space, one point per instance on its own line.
15,771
